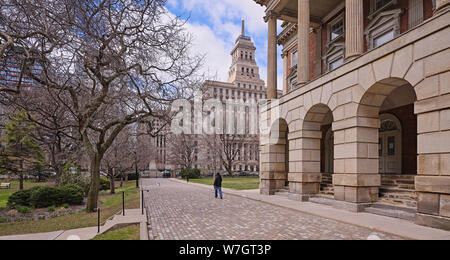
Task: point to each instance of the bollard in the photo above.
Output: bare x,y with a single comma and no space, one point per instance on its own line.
123,202
142,198
98,214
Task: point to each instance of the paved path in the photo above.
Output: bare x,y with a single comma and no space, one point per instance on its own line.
132,216
185,211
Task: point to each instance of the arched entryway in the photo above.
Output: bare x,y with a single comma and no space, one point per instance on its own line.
275,160
327,160
310,155
391,101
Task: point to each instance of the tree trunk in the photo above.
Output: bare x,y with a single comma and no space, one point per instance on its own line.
95,183
21,176
121,180
112,187
58,171
21,181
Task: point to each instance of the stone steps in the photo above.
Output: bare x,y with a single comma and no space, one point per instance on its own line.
399,202
284,192
395,195
383,209
327,190
322,199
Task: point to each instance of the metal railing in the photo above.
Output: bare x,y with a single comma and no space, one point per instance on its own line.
99,224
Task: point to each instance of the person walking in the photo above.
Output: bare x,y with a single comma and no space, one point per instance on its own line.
218,186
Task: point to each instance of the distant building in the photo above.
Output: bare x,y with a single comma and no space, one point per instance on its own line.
244,83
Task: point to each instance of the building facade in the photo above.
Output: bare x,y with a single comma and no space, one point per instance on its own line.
365,112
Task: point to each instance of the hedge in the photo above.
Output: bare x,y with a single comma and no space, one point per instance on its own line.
192,173
41,197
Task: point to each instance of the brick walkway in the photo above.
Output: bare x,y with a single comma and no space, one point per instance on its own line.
180,211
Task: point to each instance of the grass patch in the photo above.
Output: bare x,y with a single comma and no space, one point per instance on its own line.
5,193
235,183
126,233
111,204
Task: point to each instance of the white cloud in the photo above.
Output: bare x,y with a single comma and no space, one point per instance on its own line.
216,28
217,60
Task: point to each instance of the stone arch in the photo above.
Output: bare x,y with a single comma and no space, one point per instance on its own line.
372,100
357,142
274,159
305,156
396,97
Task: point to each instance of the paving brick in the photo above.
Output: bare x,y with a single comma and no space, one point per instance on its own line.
181,211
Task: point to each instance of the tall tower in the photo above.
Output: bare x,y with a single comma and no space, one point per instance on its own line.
244,71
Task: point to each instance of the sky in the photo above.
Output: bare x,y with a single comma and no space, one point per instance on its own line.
215,26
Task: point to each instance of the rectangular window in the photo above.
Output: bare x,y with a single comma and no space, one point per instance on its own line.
384,38
337,29
391,145
294,59
335,64
380,4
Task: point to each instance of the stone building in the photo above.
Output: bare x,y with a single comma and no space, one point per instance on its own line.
244,83
364,120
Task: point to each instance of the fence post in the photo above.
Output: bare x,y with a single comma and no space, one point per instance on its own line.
123,202
98,214
142,198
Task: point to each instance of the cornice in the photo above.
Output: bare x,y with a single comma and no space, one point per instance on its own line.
287,33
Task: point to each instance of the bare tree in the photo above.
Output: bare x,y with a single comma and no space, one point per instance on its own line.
227,148
183,150
112,63
120,157
56,132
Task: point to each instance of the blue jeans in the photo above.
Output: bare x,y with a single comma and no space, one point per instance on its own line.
218,189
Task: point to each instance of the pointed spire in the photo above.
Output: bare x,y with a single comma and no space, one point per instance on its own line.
243,27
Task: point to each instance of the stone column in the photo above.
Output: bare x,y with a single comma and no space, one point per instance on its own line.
356,178
304,169
273,173
318,58
441,5
271,20
433,161
303,42
354,28
285,74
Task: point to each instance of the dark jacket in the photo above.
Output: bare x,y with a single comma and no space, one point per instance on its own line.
218,181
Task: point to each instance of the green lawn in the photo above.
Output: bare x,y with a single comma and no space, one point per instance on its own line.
235,183
126,233
111,204
5,193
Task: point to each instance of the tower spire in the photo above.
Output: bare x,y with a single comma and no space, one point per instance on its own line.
243,27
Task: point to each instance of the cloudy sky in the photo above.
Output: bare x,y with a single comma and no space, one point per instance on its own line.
215,26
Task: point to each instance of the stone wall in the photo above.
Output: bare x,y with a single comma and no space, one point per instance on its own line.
355,93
